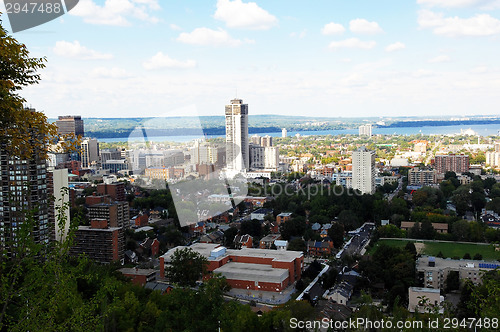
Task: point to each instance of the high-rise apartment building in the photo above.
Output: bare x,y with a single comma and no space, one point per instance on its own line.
421,177
457,163
365,130
363,170
89,152
23,194
237,147
69,124
266,141
284,132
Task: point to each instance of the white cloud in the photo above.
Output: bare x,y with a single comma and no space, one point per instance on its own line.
206,36
352,43
479,25
299,35
237,14
77,51
395,47
175,27
116,12
333,29
103,72
440,58
361,25
483,4
160,60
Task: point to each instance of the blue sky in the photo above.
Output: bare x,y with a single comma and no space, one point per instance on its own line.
133,58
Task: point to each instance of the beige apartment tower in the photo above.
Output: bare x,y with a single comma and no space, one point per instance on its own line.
237,148
363,170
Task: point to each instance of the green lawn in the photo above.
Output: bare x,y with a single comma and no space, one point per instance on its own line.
448,249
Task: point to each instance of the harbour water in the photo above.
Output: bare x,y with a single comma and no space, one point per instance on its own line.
481,130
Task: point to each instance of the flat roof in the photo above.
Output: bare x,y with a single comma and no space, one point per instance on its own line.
206,248
137,272
252,272
424,290
441,263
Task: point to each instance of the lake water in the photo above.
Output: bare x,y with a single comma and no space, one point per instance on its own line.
482,130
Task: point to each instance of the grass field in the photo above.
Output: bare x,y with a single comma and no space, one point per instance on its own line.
449,249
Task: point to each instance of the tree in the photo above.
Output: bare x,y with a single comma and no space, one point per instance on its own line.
336,233
297,245
186,267
229,236
17,124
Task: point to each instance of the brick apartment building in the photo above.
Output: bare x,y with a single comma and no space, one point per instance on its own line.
248,268
117,213
114,190
99,241
457,163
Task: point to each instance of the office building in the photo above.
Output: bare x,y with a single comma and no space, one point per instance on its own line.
69,124
237,147
457,163
89,152
110,154
365,130
363,170
284,132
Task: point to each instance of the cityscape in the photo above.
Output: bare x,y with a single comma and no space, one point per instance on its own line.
231,217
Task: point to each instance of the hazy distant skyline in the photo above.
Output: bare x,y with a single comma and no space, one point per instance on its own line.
136,58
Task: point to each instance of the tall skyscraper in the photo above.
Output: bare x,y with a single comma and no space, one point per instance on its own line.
284,132
363,170
89,152
266,141
237,147
365,130
23,194
69,124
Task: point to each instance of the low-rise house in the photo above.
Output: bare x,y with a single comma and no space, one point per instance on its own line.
341,293
213,237
439,227
150,247
243,241
281,244
268,241
319,248
260,214
139,276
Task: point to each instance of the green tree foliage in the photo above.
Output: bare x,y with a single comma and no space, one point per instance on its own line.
186,267
336,233
395,267
297,245
251,227
229,236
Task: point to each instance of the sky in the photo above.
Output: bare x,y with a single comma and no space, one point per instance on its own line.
335,58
